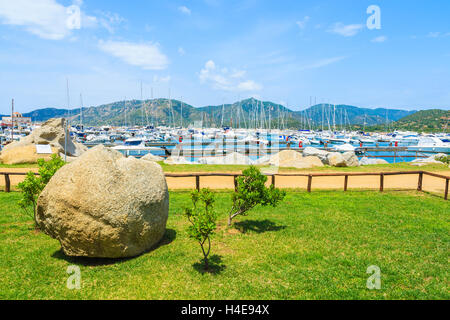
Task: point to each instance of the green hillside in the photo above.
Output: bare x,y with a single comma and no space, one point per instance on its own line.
434,120
246,113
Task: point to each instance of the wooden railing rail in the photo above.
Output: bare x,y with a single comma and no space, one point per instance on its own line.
310,177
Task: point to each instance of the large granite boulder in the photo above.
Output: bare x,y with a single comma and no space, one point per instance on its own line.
314,152
303,163
367,161
294,159
430,160
233,158
284,157
335,159
173,160
350,158
24,154
151,157
51,133
105,205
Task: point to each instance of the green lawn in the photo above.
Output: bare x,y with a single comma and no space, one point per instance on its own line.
314,246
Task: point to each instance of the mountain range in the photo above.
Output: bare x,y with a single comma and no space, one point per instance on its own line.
246,113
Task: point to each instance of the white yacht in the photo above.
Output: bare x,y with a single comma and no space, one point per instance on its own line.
431,144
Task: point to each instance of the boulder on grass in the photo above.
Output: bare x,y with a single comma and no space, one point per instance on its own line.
366,161
105,205
303,163
151,157
429,160
173,160
24,154
234,158
285,156
50,133
294,159
314,152
335,159
350,158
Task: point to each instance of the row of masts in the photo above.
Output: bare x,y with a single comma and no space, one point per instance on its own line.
259,116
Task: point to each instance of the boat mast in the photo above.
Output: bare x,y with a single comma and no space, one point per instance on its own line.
223,110
181,114
81,110
12,120
142,106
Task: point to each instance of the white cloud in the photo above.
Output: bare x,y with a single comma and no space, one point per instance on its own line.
346,30
434,34
222,79
45,18
238,74
148,56
379,39
51,20
438,34
110,20
249,85
185,10
302,23
322,63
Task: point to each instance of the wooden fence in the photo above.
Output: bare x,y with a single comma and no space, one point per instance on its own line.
310,177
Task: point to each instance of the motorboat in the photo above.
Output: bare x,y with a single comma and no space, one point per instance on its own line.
431,144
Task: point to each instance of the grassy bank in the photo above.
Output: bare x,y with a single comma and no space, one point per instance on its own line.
314,246
403,166
22,165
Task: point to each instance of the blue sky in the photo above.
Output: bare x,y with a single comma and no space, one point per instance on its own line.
215,51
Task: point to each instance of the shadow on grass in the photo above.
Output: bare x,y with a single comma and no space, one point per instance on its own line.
258,226
216,265
168,237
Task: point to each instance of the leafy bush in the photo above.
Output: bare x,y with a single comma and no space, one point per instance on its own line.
203,220
33,185
251,191
444,159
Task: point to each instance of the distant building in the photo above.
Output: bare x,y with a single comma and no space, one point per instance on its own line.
19,120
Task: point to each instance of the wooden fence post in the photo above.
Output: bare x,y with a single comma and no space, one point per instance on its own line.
346,183
273,181
381,182
446,189
420,183
235,183
309,183
197,182
7,183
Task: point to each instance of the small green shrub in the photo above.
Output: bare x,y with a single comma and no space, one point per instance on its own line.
33,185
251,191
444,159
203,220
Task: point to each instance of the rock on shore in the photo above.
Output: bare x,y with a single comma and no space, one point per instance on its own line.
50,133
294,159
